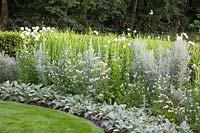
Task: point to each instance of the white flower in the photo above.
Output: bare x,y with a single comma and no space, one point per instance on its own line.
128,29
32,34
184,35
115,40
22,36
37,27
178,37
22,28
96,32
53,28
48,28
168,38
27,33
37,38
123,38
26,28
151,12
165,107
194,66
170,111
44,29
191,43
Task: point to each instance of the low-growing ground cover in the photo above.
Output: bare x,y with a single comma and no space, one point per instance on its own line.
113,118
21,118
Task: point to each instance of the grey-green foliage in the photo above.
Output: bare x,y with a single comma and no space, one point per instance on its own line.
144,63
116,118
151,64
85,74
8,68
27,92
179,58
42,63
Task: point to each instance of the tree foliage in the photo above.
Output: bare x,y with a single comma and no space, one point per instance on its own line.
105,15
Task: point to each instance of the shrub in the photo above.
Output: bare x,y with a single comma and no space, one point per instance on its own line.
10,42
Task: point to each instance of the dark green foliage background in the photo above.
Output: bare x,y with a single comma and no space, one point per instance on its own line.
105,15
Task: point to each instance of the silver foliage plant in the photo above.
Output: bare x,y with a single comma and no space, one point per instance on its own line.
116,118
41,61
8,68
84,73
172,62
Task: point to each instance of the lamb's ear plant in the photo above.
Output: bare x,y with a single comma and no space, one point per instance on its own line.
115,118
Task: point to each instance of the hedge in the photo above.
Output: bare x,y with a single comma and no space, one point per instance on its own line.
9,42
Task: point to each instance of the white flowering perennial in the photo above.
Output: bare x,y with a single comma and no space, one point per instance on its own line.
33,33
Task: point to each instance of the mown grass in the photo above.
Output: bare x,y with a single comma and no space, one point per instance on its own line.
21,118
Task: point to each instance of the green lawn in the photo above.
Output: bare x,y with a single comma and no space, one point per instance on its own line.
21,118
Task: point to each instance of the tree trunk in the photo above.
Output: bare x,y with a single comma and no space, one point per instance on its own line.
134,13
4,13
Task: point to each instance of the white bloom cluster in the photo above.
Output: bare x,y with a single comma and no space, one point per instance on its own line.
34,32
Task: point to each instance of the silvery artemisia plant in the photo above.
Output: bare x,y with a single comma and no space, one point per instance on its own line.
143,63
84,74
179,58
8,68
42,62
151,65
